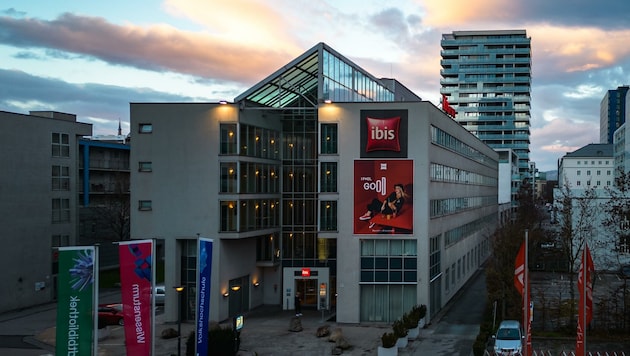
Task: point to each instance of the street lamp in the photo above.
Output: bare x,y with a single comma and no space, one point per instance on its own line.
179,290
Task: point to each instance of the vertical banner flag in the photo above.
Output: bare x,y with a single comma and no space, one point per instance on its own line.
520,266
75,301
136,286
204,272
585,312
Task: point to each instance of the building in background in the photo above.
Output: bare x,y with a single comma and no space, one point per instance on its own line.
590,168
486,78
103,186
612,113
282,177
39,201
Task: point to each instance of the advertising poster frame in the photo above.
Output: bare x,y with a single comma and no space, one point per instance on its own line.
375,185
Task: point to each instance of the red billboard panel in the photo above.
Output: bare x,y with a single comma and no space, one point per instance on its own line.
383,201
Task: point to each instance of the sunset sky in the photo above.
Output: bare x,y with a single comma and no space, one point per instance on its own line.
92,58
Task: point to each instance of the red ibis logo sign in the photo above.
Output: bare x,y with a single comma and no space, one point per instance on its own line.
383,134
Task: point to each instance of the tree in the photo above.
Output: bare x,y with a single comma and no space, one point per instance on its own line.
617,215
114,209
576,212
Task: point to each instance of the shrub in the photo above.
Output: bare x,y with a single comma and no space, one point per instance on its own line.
388,340
410,321
399,329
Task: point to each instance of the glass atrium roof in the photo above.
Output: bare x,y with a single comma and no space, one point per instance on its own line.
317,75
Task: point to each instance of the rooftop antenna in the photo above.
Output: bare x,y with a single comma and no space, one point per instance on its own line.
119,128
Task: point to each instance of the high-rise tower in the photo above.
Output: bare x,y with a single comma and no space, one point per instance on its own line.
486,76
612,113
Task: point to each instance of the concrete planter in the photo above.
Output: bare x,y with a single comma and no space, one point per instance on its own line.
402,342
413,333
387,351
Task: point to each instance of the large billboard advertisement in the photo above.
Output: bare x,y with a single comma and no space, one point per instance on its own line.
384,133
383,192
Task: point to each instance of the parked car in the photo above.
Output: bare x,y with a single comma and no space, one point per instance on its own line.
509,339
110,314
160,292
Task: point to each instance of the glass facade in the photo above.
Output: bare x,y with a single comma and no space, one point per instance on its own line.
389,274
486,76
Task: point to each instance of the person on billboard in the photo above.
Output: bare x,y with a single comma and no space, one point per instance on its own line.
391,206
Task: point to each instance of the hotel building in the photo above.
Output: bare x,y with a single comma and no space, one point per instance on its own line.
280,178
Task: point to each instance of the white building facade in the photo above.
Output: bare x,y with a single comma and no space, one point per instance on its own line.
280,177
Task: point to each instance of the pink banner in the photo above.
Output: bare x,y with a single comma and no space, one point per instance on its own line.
136,275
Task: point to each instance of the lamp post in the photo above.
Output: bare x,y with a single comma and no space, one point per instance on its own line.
179,290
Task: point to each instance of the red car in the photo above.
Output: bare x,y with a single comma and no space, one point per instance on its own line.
110,314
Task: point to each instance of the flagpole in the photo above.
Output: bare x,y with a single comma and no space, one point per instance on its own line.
526,297
95,296
584,273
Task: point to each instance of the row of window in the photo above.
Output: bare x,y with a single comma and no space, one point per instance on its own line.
255,214
444,139
263,143
444,173
592,162
598,172
440,207
464,265
459,233
597,183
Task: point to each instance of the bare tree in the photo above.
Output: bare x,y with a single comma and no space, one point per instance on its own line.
616,219
576,213
114,211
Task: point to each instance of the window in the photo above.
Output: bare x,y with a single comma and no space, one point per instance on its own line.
228,177
329,139
60,145
328,179
599,173
145,167
228,216
60,178
388,279
60,240
227,139
578,183
579,172
145,128
328,215
60,210
145,205
588,173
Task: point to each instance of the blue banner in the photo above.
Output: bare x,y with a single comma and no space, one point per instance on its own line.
204,270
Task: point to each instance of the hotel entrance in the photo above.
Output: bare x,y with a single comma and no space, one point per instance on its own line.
312,283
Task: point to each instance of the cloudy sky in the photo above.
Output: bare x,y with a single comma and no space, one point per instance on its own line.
92,58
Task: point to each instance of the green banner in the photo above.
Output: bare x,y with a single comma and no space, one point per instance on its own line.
75,299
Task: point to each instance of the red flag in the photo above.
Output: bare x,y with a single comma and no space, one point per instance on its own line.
585,312
519,283
447,107
519,270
